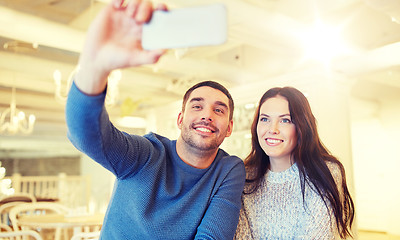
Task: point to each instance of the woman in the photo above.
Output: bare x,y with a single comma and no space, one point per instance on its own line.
295,189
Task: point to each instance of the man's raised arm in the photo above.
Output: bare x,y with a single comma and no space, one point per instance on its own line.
114,41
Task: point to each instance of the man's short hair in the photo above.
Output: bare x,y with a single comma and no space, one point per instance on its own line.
214,85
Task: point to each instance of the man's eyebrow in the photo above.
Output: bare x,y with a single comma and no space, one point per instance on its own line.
199,99
222,104
196,99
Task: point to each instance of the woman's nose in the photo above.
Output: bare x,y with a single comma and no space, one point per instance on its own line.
273,128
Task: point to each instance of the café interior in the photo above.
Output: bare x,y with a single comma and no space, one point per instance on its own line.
344,55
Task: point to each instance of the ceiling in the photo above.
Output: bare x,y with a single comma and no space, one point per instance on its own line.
263,43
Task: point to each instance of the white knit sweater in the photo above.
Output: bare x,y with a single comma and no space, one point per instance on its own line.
276,209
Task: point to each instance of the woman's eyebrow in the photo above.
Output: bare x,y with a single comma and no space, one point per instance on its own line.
283,115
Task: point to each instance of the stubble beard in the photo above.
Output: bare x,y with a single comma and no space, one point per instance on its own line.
189,137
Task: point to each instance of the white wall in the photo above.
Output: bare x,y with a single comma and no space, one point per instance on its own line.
102,183
375,141
390,159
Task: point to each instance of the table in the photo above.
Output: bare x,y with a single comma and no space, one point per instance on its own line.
60,221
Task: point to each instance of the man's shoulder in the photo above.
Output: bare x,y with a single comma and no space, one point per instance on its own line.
229,161
154,137
230,167
158,141
228,157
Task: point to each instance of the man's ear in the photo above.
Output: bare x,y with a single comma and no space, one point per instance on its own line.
179,120
230,128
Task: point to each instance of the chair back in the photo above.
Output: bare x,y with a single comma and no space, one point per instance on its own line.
17,197
5,211
9,201
16,235
5,228
35,209
72,191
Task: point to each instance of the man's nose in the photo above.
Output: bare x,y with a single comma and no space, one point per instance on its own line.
207,115
206,119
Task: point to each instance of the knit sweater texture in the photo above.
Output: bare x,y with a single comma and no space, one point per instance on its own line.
156,195
276,210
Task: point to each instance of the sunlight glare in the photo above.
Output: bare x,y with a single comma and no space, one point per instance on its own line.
323,43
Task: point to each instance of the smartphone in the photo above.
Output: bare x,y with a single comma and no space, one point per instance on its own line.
186,27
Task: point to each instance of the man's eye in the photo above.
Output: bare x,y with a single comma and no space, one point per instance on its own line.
196,106
219,110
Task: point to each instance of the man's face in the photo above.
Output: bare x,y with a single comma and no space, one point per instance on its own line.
205,122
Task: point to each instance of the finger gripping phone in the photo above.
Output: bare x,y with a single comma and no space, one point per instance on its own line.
186,27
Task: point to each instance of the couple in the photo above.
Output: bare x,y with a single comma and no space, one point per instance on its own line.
289,186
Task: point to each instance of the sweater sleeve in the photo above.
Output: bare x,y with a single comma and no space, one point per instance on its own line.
243,231
91,132
322,224
337,176
221,217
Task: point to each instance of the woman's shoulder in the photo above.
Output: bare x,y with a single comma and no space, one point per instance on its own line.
336,170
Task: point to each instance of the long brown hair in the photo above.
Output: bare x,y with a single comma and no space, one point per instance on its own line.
310,156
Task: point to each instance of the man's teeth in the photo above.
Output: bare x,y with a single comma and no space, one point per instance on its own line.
273,140
203,129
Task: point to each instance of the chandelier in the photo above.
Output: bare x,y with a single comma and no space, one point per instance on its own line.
5,184
112,87
13,120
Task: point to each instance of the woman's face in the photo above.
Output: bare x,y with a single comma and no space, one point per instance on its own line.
275,129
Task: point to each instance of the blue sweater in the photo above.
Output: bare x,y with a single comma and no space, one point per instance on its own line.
156,194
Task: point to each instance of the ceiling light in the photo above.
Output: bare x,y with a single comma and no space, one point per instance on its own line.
13,120
112,87
21,47
249,106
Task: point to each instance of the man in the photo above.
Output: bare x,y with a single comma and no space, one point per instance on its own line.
183,189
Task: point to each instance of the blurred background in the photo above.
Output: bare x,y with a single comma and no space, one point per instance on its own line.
344,55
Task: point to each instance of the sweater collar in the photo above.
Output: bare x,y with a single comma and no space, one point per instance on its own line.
284,176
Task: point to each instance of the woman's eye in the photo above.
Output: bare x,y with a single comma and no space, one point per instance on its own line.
263,119
285,120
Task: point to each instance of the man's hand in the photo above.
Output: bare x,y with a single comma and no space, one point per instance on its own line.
114,41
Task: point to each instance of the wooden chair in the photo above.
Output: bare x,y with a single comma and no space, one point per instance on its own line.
8,202
86,236
37,209
16,235
5,228
72,191
5,210
18,197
